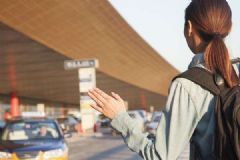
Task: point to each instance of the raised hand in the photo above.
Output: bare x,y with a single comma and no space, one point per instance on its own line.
108,105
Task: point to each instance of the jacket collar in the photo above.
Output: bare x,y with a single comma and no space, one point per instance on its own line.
197,61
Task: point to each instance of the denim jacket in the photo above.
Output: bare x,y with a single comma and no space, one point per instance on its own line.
188,118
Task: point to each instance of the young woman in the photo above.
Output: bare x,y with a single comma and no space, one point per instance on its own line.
189,114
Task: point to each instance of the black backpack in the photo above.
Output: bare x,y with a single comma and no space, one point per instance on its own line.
227,112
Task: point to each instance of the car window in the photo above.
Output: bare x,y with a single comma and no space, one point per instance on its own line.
71,120
30,131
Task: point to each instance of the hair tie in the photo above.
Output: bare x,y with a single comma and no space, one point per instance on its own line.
217,35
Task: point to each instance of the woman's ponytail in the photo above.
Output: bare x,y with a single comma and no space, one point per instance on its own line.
217,60
213,21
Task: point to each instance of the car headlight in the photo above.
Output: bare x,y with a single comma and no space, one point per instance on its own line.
54,153
5,155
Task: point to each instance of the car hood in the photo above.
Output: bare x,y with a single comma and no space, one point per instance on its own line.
34,145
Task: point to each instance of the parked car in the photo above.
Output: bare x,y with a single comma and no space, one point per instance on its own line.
2,123
78,119
154,114
103,121
69,123
75,114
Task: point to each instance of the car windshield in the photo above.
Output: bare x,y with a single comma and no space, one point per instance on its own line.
30,131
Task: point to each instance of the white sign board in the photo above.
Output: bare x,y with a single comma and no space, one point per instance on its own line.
75,64
87,79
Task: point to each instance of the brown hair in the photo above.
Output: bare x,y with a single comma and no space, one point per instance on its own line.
213,21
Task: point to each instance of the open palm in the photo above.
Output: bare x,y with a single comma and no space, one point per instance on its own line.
108,105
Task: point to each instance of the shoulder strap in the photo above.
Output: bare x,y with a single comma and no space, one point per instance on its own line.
201,77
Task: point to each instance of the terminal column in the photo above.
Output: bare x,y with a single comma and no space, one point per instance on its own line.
15,111
143,101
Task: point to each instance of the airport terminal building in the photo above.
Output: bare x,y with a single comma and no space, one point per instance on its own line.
36,37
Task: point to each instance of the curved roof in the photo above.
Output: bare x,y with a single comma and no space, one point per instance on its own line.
89,29
36,73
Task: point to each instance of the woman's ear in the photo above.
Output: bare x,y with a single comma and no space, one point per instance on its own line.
189,28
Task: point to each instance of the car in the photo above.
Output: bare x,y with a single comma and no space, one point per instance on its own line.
33,138
77,118
103,121
75,114
69,123
151,127
2,123
154,114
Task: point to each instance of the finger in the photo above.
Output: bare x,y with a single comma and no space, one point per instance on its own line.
95,99
96,107
99,96
116,96
99,91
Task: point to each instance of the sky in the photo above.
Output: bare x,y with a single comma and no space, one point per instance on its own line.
160,23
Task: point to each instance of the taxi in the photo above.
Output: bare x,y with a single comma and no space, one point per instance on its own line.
33,139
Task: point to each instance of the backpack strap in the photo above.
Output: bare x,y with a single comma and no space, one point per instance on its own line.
202,77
